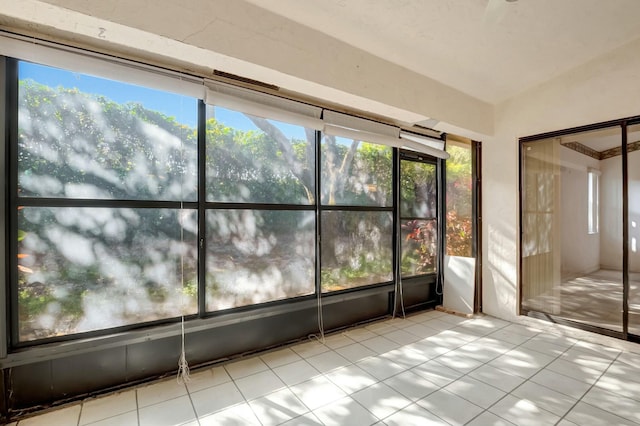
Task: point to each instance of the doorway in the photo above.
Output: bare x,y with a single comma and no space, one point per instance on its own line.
580,227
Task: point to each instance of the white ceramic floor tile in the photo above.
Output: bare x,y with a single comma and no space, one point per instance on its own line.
238,415
521,362
458,361
588,360
411,385
578,372
438,324
245,367
351,378
509,336
207,378
523,330
545,398
380,327
345,411
380,344
500,379
173,412
61,417
629,358
540,345
308,419
586,414
454,319
595,349
484,350
355,352
280,357
428,348
337,341
406,358
278,407
259,384
107,406
401,337
413,415
561,383
437,373
624,386
126,419
216,398
614,403
523,412
450,407
487,418
360,334
475,391
160,391
421,330
317,392
380,368
296,372
327,361
381,400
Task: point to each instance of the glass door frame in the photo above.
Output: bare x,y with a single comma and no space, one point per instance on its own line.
622,124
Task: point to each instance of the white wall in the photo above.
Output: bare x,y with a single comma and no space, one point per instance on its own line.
580,250
611,213
604,89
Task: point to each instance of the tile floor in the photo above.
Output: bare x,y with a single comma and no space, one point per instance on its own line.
428,369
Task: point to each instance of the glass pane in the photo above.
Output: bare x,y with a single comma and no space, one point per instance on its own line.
257,256
418,190
459,234
253,160
419,247
356,249
569,268
356,173
86,137
84,269
633,172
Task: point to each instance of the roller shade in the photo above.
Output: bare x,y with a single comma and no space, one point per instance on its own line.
98,66
344,125
263,105
424,144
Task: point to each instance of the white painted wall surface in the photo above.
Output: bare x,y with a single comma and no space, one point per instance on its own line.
580,250
611,214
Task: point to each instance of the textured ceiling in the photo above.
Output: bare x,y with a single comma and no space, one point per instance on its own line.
489,49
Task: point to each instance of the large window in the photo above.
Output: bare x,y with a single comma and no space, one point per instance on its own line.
139,203
104,170
357,219
418,217
262,249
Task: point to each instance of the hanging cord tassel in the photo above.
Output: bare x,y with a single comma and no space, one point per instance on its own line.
183,365
320,336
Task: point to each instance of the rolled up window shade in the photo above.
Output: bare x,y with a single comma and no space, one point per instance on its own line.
424,144
99,66
361,135
264,105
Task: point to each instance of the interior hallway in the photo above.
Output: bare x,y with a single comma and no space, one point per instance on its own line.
430,368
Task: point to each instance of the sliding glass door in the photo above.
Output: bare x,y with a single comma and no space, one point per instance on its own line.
572,204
